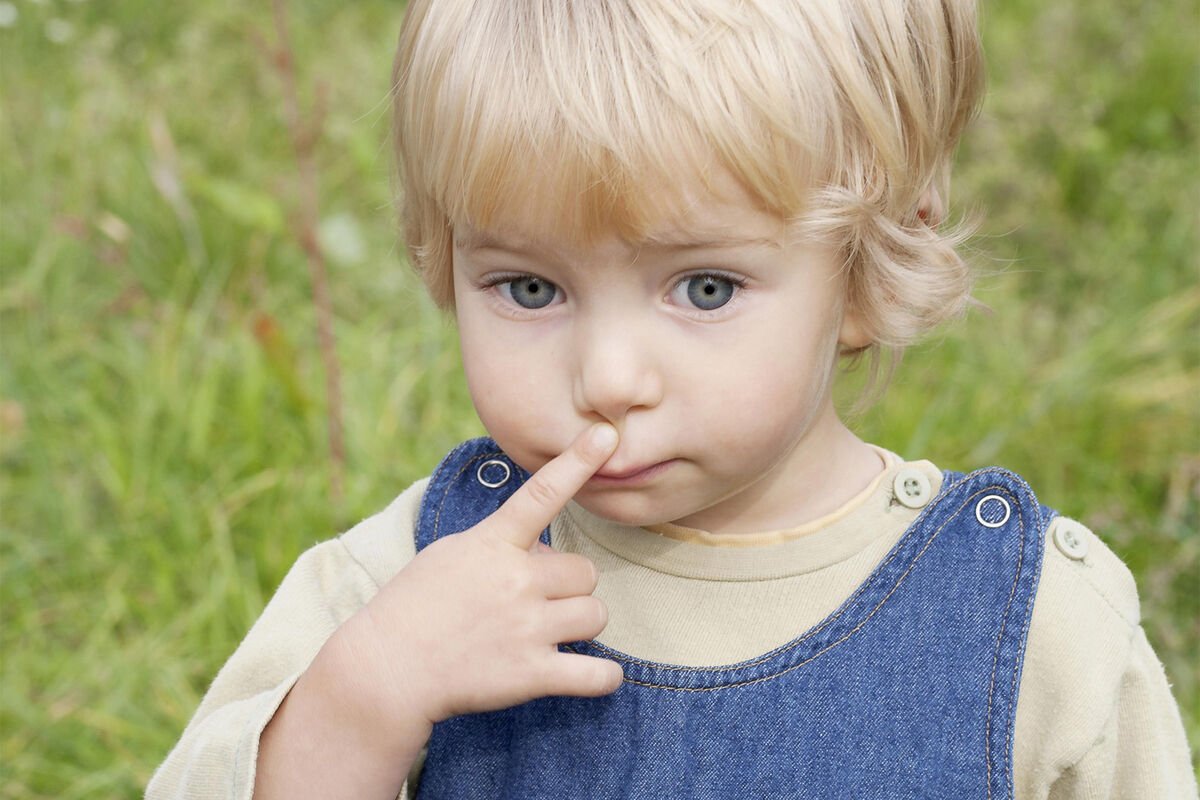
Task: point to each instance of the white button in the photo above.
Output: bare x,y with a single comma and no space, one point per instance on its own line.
497,475
912,488
1071,538
993,511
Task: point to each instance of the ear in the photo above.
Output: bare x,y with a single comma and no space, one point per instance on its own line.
853,335
930,208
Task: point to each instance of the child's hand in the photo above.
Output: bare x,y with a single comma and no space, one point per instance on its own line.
474,620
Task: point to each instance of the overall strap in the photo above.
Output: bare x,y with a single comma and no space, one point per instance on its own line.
950,477
907,690
990,513
467,487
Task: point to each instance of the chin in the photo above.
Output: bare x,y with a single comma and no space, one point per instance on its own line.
624,512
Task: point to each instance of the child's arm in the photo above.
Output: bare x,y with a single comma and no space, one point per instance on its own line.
1095,717
358,717
215,756
1141,750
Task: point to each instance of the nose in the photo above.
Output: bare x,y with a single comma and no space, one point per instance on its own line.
616,371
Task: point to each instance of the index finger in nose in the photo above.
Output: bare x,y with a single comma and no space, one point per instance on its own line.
534,505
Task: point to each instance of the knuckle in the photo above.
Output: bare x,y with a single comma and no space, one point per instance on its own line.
517,583
541,492
550,678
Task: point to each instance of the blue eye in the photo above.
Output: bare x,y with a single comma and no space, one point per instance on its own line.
529,291
710,292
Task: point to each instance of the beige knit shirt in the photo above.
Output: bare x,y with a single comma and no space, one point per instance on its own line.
1095,716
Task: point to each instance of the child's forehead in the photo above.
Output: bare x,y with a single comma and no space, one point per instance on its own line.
515,240
710,211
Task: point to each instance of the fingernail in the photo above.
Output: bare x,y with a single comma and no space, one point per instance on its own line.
604,437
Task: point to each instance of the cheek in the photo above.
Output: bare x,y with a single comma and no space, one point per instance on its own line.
512,390
766,394
495,377
776,370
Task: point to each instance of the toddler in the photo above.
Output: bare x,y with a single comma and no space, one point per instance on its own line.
672,571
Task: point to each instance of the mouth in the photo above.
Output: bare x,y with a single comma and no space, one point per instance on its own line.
630,477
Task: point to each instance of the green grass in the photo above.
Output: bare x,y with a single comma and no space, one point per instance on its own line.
161,409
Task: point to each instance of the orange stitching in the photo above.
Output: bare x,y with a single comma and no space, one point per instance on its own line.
845,606
894,554
829,647
1013,688
437,518
987,728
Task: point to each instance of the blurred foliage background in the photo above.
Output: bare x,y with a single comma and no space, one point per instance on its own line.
162,414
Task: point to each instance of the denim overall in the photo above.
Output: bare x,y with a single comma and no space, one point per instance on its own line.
908,690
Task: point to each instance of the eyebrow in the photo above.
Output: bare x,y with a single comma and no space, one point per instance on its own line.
482,240
715,243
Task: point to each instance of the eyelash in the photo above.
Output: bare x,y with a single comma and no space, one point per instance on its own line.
492,283
738,282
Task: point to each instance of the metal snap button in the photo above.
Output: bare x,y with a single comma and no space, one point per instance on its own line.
498,473
1071,538
911,487
992,511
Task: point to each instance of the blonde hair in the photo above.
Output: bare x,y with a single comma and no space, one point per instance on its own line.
836,115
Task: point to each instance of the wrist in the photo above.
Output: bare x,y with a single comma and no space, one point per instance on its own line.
327,739
375,688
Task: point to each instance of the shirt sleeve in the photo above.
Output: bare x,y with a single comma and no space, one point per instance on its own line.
1095,717
217,753
1142,750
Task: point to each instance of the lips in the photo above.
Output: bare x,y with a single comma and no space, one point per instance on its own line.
631,475
626,473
